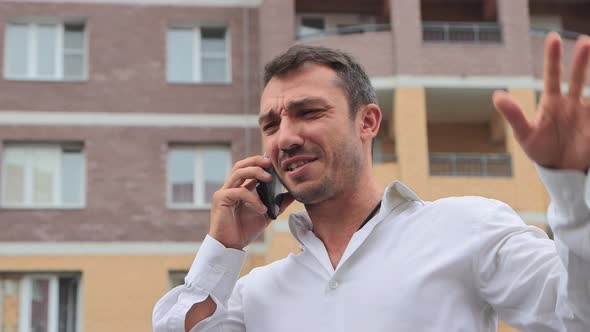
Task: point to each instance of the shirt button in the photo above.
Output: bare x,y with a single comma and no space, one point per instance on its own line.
334,284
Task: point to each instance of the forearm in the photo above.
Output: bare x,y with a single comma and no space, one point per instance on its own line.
199,312
569,217
206,292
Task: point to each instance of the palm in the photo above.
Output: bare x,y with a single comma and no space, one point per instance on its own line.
241,223
251,224
559,136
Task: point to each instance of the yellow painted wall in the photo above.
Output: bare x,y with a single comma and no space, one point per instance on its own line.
411,136
118,292
451,137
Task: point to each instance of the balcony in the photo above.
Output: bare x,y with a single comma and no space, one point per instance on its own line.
470,164
356,39
311,33
462,32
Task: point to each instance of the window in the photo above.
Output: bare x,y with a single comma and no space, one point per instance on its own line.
195,173
176,278
45,51
43,175
312,26
43,302
198,55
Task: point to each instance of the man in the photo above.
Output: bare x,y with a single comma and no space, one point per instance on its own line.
375,261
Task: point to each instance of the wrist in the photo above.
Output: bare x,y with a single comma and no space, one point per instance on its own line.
225,242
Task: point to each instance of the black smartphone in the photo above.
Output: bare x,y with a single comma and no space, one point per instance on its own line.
271,193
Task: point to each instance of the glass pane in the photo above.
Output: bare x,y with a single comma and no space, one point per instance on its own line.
213,40
13,187
177,278
316,23
181,173
311,26
216,162
68,302
46,50
180,55
71,178
45,172
73,66
40,305
214,70
74,36
17,50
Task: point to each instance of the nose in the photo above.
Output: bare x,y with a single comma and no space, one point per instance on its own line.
289,135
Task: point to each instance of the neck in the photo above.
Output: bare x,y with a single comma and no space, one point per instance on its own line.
336,220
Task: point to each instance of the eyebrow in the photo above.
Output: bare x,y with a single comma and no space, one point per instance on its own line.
292,105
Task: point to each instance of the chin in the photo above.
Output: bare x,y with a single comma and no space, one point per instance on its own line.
310,194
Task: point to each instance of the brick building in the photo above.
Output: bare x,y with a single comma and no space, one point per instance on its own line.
119,118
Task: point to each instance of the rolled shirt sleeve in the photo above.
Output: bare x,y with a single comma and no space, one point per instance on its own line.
214,273
533,283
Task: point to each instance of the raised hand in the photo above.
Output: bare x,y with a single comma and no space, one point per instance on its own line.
237,214
559,135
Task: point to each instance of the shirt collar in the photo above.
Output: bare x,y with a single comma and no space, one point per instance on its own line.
395,194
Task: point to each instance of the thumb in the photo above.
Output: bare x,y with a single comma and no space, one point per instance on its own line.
513,113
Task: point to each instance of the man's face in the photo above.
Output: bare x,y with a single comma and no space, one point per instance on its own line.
309,135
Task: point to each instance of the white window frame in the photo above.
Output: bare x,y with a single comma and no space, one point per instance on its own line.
197,74
198,184
57,199
26,297
60,52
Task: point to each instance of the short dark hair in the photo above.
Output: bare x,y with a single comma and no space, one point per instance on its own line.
354,79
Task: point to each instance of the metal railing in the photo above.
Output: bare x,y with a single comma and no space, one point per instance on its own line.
470,164
563,33
348,30
383,157
462,32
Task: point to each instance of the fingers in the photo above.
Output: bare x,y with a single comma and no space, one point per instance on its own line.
579,67
552,71
247,169
242,195
513,113
240,176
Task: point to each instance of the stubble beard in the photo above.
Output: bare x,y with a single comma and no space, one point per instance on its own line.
329,186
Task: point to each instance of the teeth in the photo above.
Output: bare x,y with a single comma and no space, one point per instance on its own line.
296,165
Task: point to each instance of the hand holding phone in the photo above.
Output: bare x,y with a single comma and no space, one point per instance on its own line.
271,193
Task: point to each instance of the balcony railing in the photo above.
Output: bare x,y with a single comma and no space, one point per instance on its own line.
462,32
384,157
468,164
348,30
563,33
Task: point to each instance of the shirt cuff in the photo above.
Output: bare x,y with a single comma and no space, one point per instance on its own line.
569,191
216,269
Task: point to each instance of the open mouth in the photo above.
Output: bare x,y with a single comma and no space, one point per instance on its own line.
291,166
296,165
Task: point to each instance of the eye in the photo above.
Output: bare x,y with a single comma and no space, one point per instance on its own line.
270,127
311,113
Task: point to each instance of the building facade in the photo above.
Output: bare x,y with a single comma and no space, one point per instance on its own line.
120,118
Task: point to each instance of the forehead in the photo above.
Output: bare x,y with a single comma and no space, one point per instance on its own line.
310,80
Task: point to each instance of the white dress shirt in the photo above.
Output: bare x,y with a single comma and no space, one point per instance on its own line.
455,264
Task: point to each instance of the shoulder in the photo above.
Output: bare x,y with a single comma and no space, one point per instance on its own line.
468,206
470,211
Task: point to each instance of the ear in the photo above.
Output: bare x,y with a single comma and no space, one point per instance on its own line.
369,121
